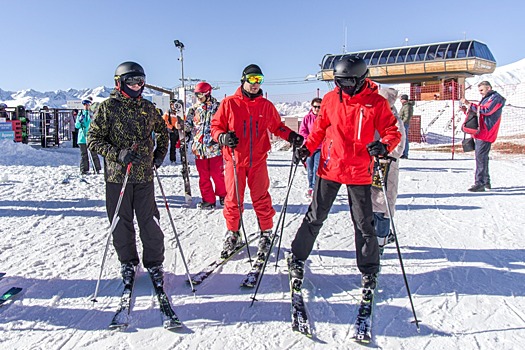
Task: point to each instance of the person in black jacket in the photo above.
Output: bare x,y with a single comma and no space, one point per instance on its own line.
121,131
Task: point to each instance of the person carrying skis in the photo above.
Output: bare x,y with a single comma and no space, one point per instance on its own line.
173,125
121,131
242,125
390,169
82,123
349,117
208,155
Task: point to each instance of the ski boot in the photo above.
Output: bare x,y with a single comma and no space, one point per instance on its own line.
206,205
233,240
127,270
369,281
264,243
157,275
295,267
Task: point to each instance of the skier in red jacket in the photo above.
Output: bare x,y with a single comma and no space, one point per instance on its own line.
242,123
350,116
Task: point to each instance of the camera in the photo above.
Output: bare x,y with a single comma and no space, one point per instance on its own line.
179,44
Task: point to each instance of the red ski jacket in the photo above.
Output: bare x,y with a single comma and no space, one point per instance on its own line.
346,125
251,119
489,109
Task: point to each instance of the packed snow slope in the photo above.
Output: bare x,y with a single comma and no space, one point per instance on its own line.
463,254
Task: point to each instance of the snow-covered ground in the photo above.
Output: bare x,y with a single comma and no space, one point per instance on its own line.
463,254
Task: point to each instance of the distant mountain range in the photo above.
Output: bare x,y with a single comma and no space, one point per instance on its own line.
504,80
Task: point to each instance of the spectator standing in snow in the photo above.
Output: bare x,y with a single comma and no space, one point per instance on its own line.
405,113
312,162
82,123
122,132
72,128
173,125
349,117
390,170
208,155
242,125
489,112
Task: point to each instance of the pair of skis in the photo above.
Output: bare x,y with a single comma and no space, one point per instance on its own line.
120,320
198,278
249,281
8,294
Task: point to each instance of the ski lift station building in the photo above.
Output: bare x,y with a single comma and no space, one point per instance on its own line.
435,71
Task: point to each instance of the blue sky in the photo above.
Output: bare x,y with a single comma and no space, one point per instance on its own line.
61,44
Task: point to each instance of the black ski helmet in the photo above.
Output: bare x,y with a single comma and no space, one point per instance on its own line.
350,73
129,68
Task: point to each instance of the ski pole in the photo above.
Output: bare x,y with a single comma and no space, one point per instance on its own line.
114,222
273,239
236,182
284,209
90,156
173,227
393,227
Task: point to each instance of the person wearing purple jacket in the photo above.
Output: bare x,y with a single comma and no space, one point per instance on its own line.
307,125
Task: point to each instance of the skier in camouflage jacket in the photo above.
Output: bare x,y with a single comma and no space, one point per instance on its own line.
121,132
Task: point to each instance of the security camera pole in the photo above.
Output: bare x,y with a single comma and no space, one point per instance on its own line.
182,131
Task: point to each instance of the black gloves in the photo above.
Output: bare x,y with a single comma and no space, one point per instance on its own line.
158,162
157,159
301,154
127,156
377,149
295,139
229,139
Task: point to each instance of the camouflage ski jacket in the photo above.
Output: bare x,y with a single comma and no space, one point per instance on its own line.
120,123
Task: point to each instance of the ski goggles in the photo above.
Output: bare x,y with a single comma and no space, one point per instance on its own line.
255,78
86,102
346,82
200,94
140,80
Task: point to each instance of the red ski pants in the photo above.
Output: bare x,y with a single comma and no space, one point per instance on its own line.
258,182
211,169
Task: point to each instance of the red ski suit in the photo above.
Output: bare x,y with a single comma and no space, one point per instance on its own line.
345,128
251,120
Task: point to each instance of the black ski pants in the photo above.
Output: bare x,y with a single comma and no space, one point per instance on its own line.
138,199
84,159
360,200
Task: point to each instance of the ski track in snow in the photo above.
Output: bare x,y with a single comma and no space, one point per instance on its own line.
462,253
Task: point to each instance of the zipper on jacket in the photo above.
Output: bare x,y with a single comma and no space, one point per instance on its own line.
251,141
257,129
361,114
328,154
